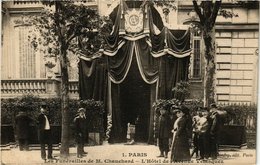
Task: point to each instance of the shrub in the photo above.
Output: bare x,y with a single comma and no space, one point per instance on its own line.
245,115
181,91
31,105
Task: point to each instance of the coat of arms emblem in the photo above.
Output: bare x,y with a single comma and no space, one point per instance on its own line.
134,20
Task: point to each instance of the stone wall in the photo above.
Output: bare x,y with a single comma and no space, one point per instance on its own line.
236,58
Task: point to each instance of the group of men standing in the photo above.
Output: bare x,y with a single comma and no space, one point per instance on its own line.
204,128
22,127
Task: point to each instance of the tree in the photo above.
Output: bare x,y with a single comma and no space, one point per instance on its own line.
207,13
60,25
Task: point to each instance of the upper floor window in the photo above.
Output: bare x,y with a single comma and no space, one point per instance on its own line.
196,59
26,52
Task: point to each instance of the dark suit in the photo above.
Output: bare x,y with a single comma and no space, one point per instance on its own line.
80,133
45,136
22,126
214,129
164,132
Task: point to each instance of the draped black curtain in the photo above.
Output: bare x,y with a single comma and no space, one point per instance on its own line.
162,60
172,70
118,65
93,80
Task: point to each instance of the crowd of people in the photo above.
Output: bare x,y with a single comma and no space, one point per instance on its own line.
183,131
176,130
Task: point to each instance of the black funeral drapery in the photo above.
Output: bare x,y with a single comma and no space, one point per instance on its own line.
172,70
119,64
178,41
162,60
92,80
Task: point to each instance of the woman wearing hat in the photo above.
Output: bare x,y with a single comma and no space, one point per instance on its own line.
181,130
80,122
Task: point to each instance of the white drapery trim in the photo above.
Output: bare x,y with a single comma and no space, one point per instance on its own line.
109,97
112,53
134,38
168,51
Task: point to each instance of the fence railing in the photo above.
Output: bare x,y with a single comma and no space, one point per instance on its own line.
26,2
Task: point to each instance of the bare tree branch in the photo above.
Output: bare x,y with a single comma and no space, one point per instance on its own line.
198,11
214,14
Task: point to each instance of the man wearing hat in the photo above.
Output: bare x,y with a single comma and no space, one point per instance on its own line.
203,135
80,122
44,128
214,129
164,132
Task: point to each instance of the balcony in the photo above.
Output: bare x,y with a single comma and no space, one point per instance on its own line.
17,2
44,88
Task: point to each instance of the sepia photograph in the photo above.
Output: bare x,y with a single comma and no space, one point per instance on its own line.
120,82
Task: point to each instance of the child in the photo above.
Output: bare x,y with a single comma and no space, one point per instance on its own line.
130,133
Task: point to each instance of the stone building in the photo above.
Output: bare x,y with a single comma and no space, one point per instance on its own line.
23,70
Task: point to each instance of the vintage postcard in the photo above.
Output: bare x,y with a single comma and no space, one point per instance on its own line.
129,82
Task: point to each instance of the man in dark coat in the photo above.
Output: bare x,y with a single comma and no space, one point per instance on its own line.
22,126
214,129
80,122
44,130
164,133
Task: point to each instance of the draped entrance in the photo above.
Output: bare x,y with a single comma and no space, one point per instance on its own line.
134,70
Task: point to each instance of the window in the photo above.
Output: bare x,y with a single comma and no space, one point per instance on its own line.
196,60
26,54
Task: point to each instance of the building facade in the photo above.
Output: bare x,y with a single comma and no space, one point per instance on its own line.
24,70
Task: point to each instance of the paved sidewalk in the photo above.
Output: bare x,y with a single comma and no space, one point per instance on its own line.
122,154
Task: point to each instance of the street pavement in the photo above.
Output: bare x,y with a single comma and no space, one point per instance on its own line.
117,154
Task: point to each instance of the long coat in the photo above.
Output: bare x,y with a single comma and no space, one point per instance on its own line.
81,127
164,130
180,146
22,125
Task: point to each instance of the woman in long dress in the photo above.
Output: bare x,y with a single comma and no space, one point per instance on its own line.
180,144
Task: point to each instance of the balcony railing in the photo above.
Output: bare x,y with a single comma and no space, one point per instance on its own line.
26,2
40,87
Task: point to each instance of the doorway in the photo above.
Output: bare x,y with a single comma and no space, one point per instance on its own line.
135,102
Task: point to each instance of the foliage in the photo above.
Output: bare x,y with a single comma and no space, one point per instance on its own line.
169,4
169,104
238,114
164,104
181,91
61,26
30,104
